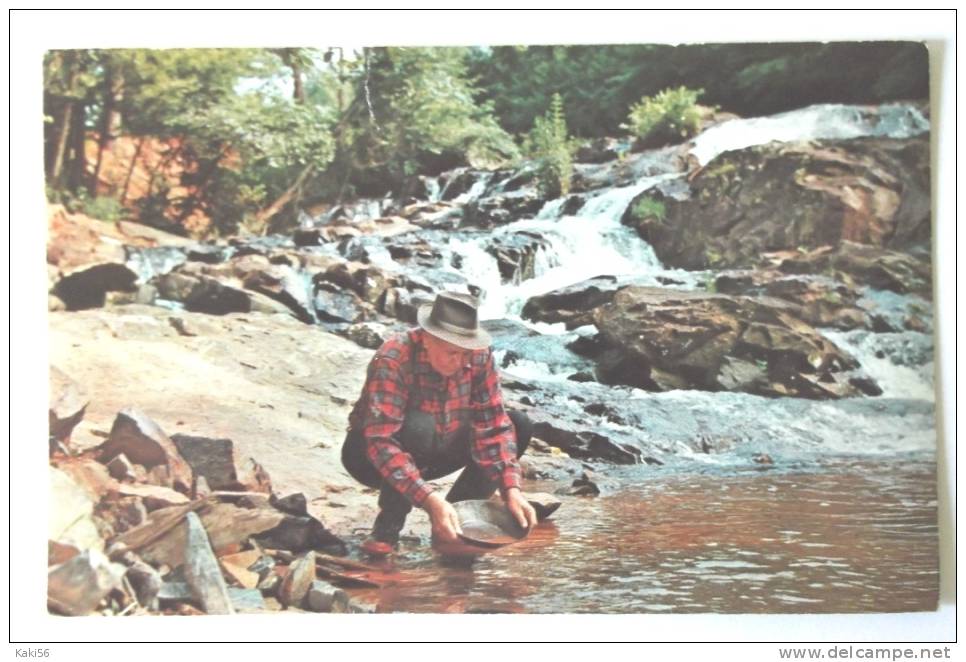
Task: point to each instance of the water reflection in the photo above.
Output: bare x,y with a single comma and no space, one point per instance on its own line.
855,536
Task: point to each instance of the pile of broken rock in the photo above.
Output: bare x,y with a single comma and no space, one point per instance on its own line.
145,523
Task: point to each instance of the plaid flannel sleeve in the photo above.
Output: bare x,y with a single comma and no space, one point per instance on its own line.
494,448
386,395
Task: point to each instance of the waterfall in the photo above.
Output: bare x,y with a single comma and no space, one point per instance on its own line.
823,121
590,243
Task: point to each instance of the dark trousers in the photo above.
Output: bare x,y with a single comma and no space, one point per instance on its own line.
434,460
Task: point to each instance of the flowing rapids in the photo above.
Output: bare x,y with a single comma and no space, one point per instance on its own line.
844,521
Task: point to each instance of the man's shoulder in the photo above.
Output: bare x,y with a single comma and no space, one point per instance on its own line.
397,348
480,358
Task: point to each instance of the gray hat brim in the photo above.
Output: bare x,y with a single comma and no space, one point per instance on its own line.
480,340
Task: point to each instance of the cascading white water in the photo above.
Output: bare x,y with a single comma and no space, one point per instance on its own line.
476,190
823,121
590,243
433,190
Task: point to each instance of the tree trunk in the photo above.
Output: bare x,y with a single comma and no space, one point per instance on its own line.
62,135
110,122
130,170
265,215
78,159
299,91
63,131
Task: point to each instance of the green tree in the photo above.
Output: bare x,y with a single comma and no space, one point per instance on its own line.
413,110
670,116
552,150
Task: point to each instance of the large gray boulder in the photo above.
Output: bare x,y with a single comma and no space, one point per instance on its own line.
661,340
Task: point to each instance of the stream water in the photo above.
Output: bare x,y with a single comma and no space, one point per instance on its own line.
845,518
844,521
846,535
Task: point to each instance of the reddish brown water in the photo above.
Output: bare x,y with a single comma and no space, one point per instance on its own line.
854,537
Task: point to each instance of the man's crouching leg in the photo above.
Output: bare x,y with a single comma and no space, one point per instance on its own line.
472,482
416,436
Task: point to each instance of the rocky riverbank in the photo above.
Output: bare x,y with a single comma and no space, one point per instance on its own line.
771,276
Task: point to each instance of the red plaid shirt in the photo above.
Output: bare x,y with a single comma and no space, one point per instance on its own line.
397,381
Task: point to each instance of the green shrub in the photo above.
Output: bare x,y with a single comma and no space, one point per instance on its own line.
551,148
104,208
669,116
649,208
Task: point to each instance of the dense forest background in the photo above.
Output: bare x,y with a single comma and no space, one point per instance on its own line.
221,141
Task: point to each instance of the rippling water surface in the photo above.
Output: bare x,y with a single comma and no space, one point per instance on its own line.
850,536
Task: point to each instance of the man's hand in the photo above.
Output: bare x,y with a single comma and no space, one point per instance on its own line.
445,521
520,508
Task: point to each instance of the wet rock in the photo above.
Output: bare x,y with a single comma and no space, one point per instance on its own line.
543,503
208,253
872,191
298,534
589,483
516,255
458,182
403,304
661,339
68,402
367,282
76,587
370,335
762,458
745,376
202,572
582,376
206,295
324,598
88,287
333,304
140,439
297,582
915,323
582,443
309,237
819,300
501,209
861,264
286,286
600,150
574,305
